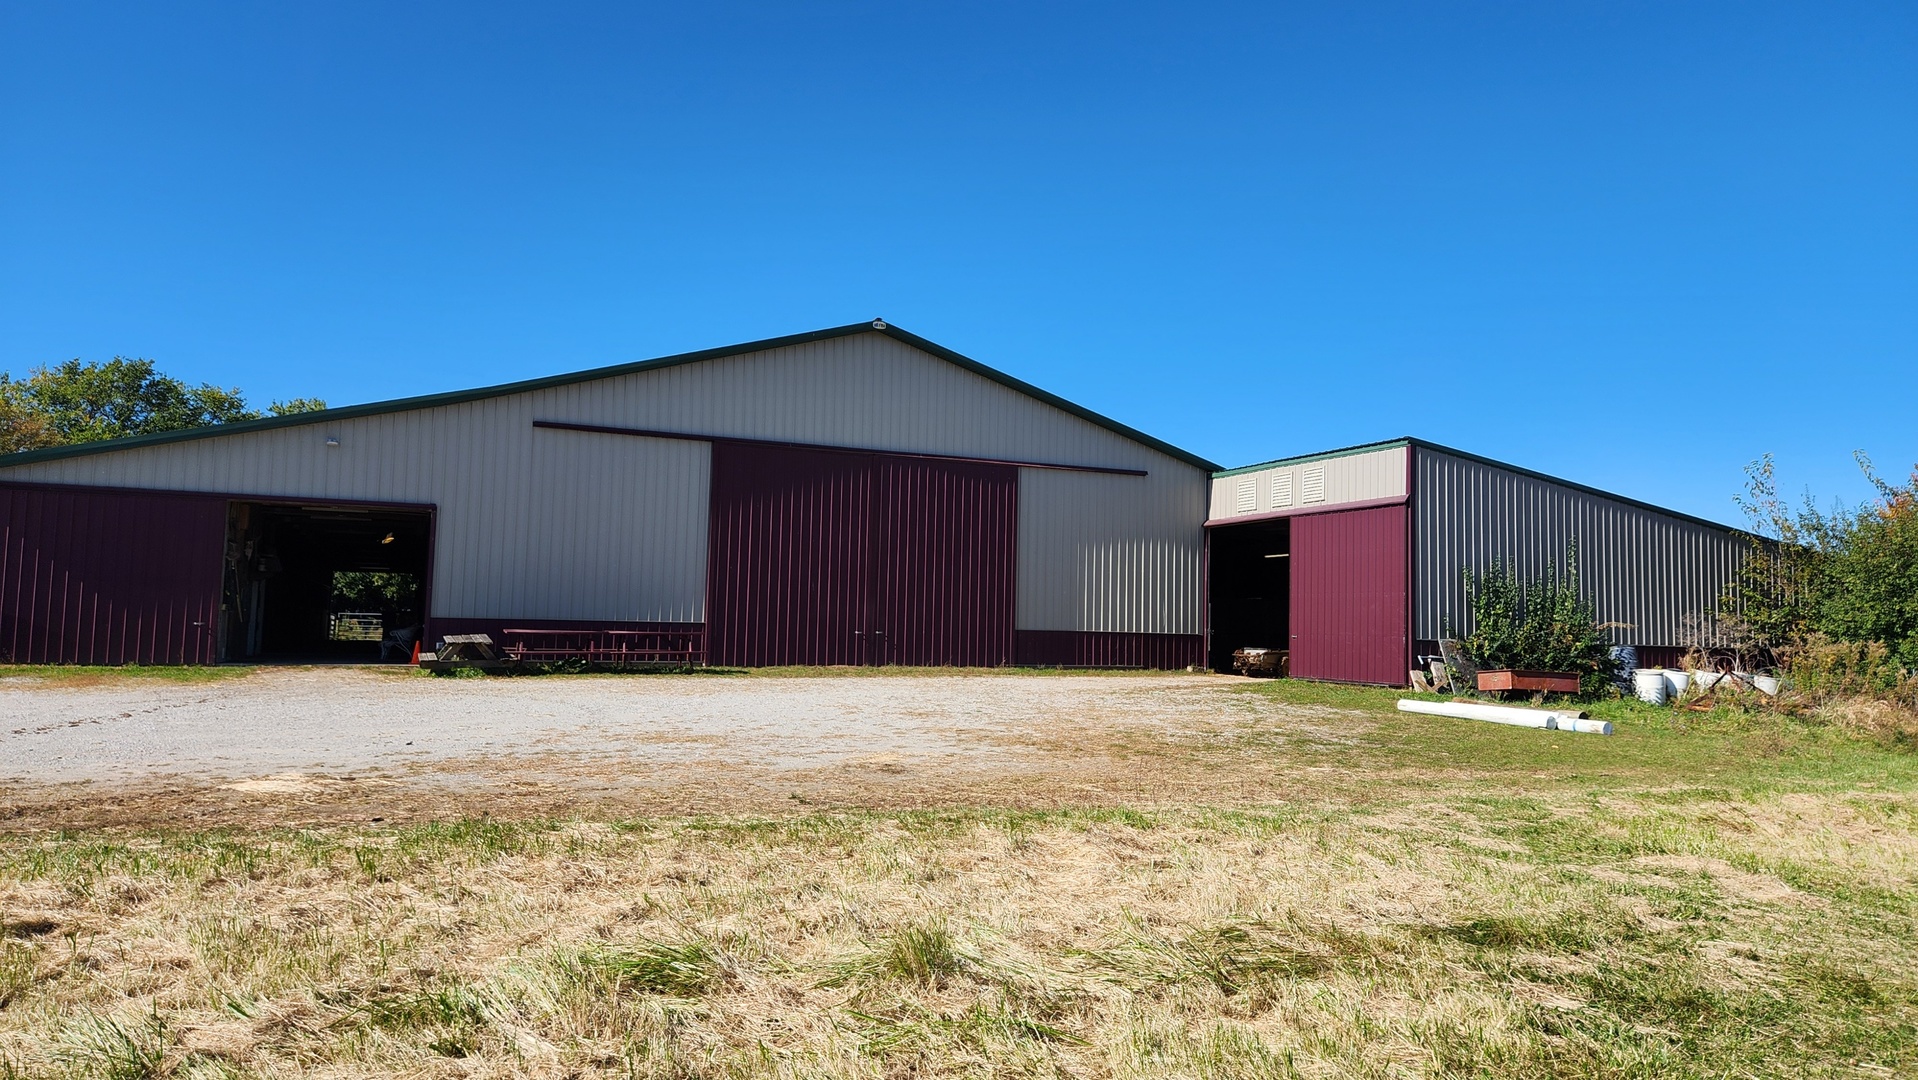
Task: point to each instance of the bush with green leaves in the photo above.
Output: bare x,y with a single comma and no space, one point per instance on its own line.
1542,624
1845,575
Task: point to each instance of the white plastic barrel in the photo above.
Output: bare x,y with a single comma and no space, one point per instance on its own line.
1676,682
1766,685
1650,685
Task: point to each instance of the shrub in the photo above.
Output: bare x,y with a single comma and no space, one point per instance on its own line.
1544,624
1823,668
1848,575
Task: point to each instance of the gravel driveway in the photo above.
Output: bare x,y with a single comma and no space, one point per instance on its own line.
354,721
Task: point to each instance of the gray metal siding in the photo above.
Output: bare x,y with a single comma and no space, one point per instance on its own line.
1638,566
1111,553
499,487
634,510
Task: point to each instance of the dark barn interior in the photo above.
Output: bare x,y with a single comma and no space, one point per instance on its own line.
1249,588
322,583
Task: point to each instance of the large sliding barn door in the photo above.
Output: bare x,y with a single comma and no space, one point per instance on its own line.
826,557
109,577
1348,617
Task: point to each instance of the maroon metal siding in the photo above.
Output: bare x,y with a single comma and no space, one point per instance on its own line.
109,577
1076,648
1348,613
825,557
948,556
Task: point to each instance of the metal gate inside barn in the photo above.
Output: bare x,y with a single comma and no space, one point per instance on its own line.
109,577
1349,618
833,557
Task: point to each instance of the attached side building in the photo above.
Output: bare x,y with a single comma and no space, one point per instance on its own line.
854,495
1353,559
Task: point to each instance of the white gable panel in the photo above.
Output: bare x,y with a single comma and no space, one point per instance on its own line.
1315,483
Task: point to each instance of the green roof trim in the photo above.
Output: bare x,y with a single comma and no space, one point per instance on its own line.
1423,444
457,397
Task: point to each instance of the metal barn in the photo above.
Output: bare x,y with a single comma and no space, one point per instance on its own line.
852,496
1352,559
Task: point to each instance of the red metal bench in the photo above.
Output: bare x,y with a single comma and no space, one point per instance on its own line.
605,648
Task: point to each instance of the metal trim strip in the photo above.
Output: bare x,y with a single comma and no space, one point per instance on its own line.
231,496
649,433
1304,511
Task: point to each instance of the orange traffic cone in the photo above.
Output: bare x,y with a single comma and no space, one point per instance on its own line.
416,654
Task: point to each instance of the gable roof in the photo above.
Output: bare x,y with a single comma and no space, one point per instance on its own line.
1425,444
455,397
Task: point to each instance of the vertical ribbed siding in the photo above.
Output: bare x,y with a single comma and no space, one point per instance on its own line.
791,562
1112,554
833,558
947,558
1640,567
1069,648
1096,553
109,577
633,509
1348,596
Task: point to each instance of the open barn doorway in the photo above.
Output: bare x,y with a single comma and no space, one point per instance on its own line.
319,584
1250,586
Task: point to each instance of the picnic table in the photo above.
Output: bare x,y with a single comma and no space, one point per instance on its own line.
462,650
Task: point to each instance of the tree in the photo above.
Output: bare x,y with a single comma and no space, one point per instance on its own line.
77,402
1870,577
1850,574
1775,597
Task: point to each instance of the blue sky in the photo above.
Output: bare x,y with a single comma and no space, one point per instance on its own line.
1632,245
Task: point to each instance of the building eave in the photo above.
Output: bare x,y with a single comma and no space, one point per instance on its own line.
458,397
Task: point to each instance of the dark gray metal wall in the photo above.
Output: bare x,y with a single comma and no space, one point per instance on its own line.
1639,566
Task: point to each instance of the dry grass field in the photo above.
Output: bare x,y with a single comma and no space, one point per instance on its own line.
1702,895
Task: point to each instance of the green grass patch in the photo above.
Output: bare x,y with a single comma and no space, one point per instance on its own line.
685,969
73,675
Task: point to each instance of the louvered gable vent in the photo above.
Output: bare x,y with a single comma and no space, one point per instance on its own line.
1248,495
1312,485
1281,490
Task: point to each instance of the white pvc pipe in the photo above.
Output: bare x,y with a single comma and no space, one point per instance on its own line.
1497,714
1548,719
1580,724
